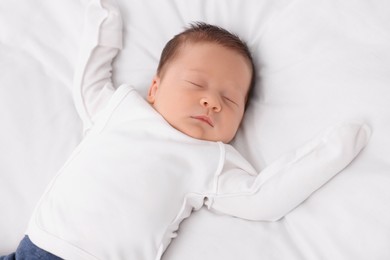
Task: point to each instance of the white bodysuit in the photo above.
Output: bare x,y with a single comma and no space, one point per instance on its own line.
125,189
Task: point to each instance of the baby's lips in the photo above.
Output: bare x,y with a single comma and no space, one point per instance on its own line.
205,118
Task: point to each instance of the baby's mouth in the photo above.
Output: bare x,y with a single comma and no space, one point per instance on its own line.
205,119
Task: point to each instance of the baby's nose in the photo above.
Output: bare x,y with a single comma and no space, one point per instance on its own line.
211,103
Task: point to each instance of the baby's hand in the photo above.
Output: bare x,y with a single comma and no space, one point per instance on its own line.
103,16
109,5
113,21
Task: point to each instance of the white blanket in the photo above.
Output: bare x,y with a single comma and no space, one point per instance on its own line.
319,63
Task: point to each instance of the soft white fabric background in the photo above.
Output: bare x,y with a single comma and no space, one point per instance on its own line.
320,62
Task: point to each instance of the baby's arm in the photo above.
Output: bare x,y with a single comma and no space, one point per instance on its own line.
286,183
100,43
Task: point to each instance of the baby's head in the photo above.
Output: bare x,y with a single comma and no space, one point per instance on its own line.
202,83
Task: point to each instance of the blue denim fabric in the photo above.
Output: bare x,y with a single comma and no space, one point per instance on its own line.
28,251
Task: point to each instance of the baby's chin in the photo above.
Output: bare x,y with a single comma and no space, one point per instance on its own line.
201,134
195,130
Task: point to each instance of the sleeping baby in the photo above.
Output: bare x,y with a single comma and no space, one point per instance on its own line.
147,162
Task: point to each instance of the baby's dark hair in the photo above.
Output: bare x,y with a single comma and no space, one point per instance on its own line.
203,32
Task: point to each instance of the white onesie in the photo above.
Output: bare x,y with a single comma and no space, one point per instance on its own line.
125,189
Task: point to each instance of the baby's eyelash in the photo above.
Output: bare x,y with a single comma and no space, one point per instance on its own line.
230,100
195,84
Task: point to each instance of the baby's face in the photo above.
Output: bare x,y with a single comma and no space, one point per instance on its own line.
202,91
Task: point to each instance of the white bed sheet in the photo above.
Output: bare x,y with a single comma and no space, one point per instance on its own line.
320,62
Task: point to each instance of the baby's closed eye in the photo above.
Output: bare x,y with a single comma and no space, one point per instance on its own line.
196,84
230,100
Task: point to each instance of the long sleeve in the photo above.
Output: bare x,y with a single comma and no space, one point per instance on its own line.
100,43
290,180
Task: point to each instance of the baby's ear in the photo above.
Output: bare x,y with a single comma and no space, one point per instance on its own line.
153,89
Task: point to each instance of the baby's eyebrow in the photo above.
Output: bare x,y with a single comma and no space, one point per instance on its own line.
189,81
196,70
